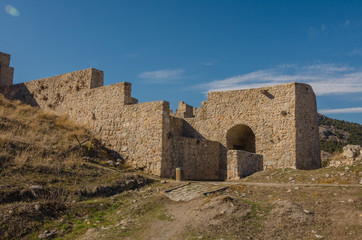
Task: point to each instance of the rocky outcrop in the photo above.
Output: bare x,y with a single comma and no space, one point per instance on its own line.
352,151
351,155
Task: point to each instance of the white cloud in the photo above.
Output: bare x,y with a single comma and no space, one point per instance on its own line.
12,10
341,110
324,78
162,76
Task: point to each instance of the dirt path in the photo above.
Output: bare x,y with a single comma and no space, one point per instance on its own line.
192,190
266,184
245,210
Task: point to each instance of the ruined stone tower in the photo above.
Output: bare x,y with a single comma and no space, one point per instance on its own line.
6,72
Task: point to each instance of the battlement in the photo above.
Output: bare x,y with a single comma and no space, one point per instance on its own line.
6,72
184,110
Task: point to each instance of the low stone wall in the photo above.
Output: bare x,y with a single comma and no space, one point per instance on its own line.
242,164
199,158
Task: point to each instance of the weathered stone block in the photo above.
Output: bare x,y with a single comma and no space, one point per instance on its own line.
242,164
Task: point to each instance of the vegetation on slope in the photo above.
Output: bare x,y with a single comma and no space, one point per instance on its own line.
354,130
41,180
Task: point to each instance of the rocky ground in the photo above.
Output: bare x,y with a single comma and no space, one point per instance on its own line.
273,204
281,208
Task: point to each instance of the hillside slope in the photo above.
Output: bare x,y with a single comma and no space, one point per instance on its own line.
335,134
45,173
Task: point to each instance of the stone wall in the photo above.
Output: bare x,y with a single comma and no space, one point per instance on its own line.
307,131
6,72
241,164
185,110
135,131
199,158
49,93
278,122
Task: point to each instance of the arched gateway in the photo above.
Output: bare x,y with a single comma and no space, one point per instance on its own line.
240,137
241,158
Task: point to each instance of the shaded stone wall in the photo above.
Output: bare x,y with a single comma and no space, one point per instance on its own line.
6,72
242,164
199,158
307,133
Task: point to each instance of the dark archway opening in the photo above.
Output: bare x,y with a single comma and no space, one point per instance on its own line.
240,137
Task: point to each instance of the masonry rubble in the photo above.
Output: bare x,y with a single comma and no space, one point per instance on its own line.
277,124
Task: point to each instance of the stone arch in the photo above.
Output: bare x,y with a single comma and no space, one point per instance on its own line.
240,137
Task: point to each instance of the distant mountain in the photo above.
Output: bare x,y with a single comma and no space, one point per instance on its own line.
335,134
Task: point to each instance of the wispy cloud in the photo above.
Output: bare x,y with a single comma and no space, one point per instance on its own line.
324,78
341,110
162,76
130,55
316,31
356,52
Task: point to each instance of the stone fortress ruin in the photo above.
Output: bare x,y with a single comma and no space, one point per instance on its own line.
231,135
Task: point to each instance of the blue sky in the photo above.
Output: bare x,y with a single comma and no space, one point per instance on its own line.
179,50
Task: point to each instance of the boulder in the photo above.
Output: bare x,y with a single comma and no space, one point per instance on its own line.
351,151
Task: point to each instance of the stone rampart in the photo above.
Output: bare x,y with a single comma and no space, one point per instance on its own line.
135,131
49,93
278,123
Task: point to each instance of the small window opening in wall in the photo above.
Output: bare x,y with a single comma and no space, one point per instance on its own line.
240,137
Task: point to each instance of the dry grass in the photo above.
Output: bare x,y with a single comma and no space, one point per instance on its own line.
30,136
39,182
